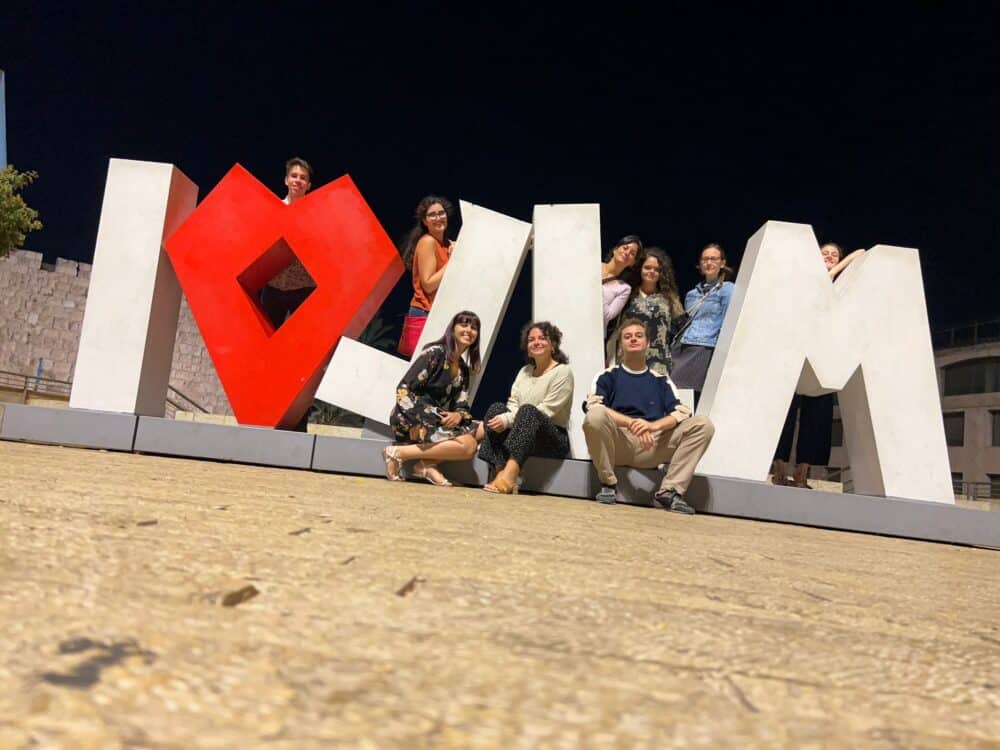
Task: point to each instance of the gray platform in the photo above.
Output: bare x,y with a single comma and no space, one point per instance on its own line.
715,495
889,516
363,456
76,427
245,445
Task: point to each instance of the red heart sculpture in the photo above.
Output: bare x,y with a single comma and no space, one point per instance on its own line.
235,241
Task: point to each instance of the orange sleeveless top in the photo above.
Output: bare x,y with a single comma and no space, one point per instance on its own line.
423,299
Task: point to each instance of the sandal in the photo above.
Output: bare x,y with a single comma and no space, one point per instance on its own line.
422,470
393,465
500,486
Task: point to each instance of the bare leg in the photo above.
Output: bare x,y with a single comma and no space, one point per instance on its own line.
505,480
460,449
801,474
429,455
511,471
778,470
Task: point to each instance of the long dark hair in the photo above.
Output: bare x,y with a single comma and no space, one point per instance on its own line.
667,284
409,243
448,340
628,275
553,334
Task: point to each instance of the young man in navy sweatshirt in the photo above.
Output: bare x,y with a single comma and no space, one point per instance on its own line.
634,419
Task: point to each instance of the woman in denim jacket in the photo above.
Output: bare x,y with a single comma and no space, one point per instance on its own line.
706,307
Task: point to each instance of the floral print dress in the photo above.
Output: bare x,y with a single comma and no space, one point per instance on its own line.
430,387
654,311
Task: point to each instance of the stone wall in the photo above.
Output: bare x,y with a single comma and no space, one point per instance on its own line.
41,310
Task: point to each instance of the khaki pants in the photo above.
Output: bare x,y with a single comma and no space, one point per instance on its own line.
679,448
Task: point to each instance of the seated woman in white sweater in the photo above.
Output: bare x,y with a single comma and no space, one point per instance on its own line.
533,421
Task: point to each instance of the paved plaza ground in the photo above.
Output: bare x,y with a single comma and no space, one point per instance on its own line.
166,603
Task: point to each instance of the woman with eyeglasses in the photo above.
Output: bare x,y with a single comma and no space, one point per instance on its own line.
813,413
656,302
431,421
706,307
425,250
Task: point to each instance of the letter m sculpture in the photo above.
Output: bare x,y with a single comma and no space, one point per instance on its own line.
790,330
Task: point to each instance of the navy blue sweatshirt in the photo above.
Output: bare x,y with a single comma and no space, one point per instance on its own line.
646,394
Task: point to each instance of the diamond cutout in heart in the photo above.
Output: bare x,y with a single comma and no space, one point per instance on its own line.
238,238
262,272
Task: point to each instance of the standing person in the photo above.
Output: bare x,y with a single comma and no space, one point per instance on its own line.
431,421
706,307
635,419
814,413
533,421
656,303
283,294
615,289
426,250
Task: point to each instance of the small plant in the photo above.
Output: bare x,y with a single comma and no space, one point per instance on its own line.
17,218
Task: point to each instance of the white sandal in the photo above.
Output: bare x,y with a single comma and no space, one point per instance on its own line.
393,465
420,470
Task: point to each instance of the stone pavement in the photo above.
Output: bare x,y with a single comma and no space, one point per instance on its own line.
371,614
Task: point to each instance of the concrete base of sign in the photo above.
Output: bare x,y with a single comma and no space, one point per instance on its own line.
740,498
376,430
239,444
81,428
363,456
888,516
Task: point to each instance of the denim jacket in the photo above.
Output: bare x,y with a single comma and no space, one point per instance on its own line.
707,321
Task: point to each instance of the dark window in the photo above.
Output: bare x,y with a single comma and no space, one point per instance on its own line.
976,376
996,427
956,483
994,485
954,428
837,438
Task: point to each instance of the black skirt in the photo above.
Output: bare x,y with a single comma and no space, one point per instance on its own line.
690,365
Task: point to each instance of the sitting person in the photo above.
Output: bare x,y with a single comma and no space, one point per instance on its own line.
283,294
431,421
634,419
426,251
533,421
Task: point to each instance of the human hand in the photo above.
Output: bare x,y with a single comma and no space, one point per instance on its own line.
647,440
450,419
496,424
638,427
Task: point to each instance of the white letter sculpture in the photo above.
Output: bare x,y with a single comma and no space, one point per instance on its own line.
130,322
480,277
566,290
788,329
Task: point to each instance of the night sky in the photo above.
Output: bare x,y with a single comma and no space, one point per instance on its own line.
686,126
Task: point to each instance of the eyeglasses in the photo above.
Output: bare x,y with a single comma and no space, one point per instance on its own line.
711,260
436,215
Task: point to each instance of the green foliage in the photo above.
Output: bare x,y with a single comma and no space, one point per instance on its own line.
17,218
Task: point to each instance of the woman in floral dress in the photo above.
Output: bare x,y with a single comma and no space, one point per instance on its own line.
656,302
431,421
